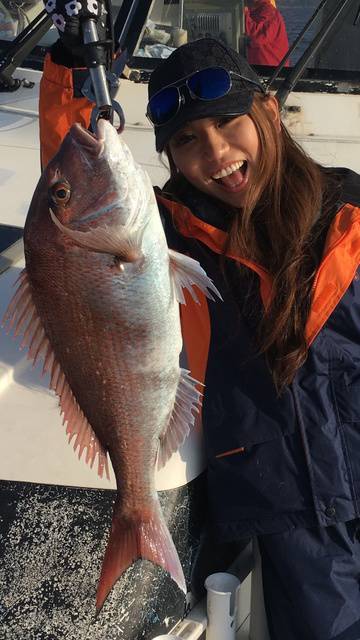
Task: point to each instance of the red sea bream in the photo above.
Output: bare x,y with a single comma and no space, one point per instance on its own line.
98,301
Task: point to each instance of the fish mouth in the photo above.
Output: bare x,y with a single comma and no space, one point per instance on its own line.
93,144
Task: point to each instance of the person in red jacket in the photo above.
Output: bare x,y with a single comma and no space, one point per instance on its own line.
267,37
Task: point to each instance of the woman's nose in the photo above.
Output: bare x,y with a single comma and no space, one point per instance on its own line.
214,144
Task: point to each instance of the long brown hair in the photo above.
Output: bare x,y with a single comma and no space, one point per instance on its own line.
281,227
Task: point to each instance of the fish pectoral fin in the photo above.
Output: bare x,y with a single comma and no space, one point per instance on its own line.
119,241
187,272
22,317
187,404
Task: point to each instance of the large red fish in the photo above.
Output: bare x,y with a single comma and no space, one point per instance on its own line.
98,300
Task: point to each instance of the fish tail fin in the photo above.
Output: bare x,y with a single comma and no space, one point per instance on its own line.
146,537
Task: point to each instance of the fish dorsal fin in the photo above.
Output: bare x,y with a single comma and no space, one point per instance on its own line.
187,404
186,272
22,317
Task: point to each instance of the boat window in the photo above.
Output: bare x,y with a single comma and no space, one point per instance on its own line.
341,50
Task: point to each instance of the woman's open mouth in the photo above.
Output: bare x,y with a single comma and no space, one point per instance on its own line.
234,178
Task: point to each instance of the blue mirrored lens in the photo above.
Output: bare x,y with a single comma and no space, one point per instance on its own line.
210,84
164,105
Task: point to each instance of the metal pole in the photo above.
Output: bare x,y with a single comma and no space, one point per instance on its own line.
181,17
98,72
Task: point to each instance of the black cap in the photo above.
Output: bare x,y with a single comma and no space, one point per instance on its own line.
194,56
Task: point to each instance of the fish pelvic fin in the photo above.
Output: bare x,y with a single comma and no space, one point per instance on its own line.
146,537
186,272
186,406
22,317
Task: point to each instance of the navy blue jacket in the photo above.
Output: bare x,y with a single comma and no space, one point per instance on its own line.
279,462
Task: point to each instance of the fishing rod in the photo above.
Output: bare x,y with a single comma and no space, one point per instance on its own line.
297,71
297,41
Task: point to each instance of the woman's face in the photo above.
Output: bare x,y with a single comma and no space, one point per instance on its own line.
219,155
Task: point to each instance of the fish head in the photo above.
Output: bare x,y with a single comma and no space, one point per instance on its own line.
94,178
92,183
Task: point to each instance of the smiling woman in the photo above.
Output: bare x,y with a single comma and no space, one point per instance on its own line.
217,155
234,149
220,155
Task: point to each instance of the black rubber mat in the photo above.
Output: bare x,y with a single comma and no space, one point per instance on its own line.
52,542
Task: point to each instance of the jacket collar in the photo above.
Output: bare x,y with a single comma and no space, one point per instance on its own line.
337,269
191,225
203,206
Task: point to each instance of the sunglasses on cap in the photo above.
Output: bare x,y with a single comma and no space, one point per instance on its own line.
207,84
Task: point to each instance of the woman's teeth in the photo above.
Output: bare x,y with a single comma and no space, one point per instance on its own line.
228,171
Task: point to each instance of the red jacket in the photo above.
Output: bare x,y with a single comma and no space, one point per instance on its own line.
268,41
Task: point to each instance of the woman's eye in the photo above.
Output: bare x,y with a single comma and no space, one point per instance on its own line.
183,139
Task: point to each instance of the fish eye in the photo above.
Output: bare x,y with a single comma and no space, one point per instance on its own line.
60,192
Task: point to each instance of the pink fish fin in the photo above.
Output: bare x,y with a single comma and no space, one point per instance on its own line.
187,272
187,403
131,539
21,317
18,302
77,425
122,241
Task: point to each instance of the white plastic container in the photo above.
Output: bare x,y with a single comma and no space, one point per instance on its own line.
222,601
